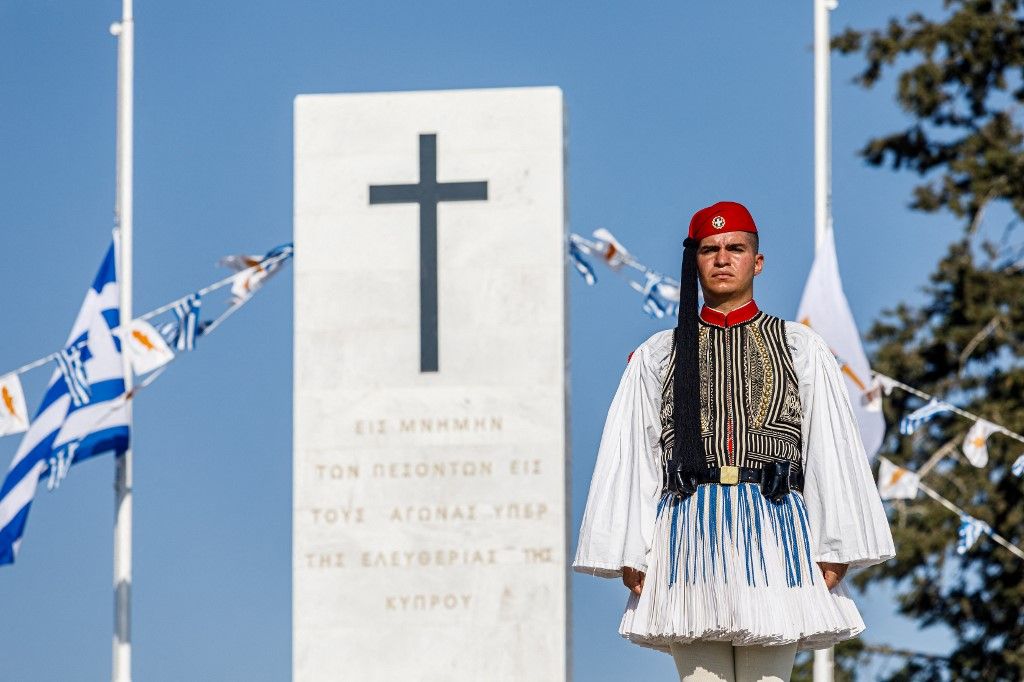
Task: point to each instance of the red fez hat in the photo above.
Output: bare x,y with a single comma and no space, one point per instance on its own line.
725,216
687,456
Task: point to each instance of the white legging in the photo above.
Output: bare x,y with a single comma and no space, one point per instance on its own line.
722,662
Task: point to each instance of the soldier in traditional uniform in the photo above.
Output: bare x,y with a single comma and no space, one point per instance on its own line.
731,490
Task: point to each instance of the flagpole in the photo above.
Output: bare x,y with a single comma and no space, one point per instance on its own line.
823,658
121,670
822,123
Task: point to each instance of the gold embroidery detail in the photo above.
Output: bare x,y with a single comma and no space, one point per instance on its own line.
667,405
704,371
791,410
767,378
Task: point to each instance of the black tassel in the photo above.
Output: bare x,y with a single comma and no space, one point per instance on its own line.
688,451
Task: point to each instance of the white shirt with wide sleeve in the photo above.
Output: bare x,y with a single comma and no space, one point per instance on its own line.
847,521
618,523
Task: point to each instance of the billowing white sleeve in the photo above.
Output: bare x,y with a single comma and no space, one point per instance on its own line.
848,523
618,522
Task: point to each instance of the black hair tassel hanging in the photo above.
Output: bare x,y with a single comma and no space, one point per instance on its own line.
687,452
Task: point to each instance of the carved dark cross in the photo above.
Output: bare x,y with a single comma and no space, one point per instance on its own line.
427,193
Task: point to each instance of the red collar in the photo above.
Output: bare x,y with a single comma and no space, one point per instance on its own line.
716,317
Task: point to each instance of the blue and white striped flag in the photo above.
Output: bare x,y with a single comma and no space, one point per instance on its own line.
581,264
64,432
919,416
661,296
1018,466
970,530
187,329
71,363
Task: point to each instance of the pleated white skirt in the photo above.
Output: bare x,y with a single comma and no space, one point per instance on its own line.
727,564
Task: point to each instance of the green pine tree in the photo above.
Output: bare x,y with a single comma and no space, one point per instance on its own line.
961,79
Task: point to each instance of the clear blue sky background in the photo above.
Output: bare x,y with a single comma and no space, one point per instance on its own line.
671,106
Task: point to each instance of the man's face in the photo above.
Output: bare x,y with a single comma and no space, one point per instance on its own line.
727,263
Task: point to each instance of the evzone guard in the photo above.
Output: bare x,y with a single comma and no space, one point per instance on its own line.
731,491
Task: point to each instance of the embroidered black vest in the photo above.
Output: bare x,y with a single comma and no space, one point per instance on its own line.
750,409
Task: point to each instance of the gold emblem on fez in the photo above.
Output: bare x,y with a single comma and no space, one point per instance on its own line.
718,222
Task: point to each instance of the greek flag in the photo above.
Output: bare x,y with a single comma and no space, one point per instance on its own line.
186,331
970,530
1018,466
71,365
919,416
661,296
65,431
581,264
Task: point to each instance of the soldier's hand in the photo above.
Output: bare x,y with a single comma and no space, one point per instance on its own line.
633,579
832,573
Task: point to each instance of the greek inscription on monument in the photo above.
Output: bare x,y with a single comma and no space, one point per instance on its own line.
430,446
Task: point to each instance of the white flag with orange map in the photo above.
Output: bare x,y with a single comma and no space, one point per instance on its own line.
896,483
13,414
254,270
975,446
146,348
824,309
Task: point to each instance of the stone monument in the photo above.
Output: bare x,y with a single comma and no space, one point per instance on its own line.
430,403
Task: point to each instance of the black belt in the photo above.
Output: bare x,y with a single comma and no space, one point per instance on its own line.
776,478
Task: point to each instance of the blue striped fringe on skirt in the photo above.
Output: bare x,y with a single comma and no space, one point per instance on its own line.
753,525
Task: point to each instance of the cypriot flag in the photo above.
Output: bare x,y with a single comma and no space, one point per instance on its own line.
146,348
254,270
975,445
13,414
611,251
896,483
824,309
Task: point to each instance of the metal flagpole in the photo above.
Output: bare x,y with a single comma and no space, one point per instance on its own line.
823,658
122,644
822,122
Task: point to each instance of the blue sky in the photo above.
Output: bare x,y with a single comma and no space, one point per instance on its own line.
671,107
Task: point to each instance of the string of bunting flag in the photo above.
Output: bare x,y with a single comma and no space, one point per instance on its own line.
84,410
149,348
661,298
895,482
975,443
898,483
660,293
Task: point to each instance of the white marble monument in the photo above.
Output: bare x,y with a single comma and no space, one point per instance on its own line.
430,424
